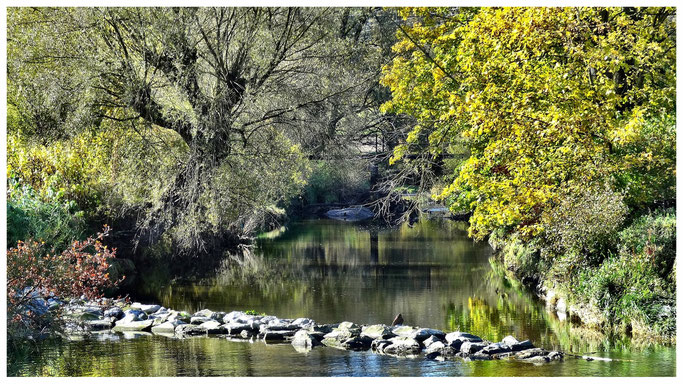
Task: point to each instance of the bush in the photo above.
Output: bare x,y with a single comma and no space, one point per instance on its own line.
584,223
55,223
34,274
635,287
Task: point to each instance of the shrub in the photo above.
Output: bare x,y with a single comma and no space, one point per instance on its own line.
33,274
55,223
585,223
635,287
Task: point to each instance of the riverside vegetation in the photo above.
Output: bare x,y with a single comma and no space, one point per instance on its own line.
189,130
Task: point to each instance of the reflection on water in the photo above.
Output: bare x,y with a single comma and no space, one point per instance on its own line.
331,271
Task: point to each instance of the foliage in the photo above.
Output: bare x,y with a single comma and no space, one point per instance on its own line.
336,181
209,114
548,100
55,223
584,223
71,169
35,273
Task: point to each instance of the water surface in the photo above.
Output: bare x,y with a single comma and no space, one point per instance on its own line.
333,271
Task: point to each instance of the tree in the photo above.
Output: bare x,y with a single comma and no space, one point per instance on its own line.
543,99
227,102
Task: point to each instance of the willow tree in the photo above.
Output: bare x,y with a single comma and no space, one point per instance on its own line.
552,105
232,98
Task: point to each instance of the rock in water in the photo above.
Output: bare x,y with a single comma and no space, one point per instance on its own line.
398,320
350,214
140,326
378,331
303,339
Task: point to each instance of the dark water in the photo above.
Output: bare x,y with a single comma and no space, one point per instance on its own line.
330,271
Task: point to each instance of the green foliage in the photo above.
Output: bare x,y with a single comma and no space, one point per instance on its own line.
73,169
56,222
585,223
636,286
197,121
336,181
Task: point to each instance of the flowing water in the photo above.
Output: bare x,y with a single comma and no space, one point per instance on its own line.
334,271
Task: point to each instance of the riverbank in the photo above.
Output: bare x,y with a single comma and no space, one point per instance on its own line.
630,292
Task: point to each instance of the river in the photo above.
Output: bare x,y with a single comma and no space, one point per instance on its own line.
333,271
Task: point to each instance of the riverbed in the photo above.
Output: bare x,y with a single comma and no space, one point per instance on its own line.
332,271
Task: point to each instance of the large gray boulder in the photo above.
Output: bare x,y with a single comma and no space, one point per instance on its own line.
516,345
199,320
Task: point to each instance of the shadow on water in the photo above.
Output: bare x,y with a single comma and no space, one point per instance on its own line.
331,271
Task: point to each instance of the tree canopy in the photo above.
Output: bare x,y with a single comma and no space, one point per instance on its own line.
549,102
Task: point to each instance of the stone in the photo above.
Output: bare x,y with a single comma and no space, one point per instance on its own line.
181,316
378,345
402,345
469,347
277,336
83,313
509,340
167,327
463,336
212,327
377,331
342,334
218,316
350,214
304,322
114,312
232,316
537,359
422,334
138,326
203,313
435,347
199,320
348,325
495,348
561,306
358,343
304,339
531,353
99,325
403,330
184,330
53,304
148,309
236,328
430,340
246,334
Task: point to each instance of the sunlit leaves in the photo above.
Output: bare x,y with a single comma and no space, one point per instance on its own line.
546,99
